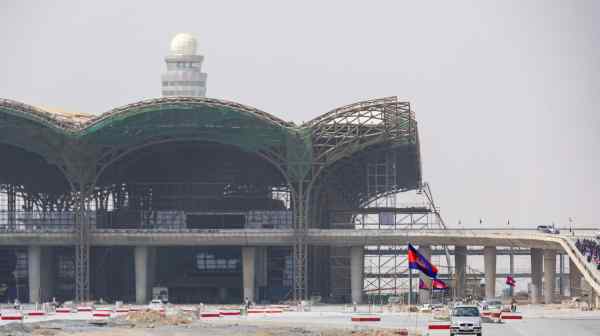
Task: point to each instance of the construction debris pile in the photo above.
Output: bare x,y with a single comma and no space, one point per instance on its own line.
152,318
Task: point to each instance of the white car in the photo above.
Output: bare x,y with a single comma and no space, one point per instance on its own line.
548,229
155,305
465,320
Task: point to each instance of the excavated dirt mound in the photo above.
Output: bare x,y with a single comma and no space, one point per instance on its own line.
154,318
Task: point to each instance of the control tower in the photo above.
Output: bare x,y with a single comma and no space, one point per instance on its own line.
184,76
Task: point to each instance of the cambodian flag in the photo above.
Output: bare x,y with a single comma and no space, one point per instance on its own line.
511,281
418,262
438,284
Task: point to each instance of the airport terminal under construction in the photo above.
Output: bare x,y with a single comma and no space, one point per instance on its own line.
182,165
207,200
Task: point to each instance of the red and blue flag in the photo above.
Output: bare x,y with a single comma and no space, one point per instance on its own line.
417,261
438,284
511,281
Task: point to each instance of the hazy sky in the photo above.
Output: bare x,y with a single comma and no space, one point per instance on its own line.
507,93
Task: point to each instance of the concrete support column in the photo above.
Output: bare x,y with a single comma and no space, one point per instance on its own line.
261,266
40,263
262,277
489,261
141,259
48,273
34,263
511,261
424,294
549,275
537,261
152,252
574,279
356,272
249,270
222,295
460,270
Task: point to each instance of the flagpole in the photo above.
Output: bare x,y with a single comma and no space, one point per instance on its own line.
410,288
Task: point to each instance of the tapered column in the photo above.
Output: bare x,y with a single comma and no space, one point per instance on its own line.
261,266
141,259
151,271
460,263
34,264
424,294
537,261
489,260
549,275
249,270
356,273
574,279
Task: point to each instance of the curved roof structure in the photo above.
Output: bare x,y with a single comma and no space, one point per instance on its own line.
323,141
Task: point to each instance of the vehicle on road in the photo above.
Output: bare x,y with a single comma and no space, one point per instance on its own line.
465,320
156,305
548,229
493,304
425,308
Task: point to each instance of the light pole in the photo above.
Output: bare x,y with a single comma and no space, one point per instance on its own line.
571,226
16,284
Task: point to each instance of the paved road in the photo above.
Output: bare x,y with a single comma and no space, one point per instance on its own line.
546,327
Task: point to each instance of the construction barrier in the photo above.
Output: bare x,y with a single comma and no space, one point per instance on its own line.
265,311
511,316
496,316
210,314
101,313
63,310
122,310
12,316
438,329
257,311
229,312
36,313
365,318
84,309
445,326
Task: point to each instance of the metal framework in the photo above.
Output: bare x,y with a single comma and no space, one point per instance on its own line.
316,160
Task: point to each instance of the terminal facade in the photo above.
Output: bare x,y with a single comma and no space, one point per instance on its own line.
214,201
85,198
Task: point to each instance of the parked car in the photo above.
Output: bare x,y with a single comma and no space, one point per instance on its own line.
465,320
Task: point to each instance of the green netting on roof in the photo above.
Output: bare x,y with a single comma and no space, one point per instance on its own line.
339,134
31,134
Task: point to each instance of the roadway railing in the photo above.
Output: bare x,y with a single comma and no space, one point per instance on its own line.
36,221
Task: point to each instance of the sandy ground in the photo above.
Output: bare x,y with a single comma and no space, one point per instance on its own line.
324,321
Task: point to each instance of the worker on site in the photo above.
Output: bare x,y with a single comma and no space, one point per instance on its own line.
513,305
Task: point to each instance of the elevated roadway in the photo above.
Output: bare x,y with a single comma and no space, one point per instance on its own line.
325,237
282,237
